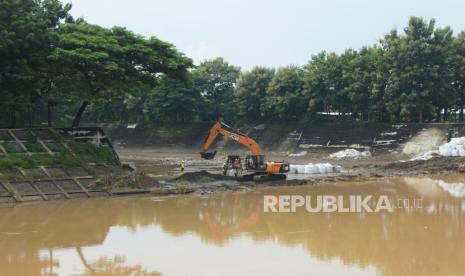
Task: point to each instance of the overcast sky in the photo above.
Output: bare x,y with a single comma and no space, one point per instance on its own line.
266,32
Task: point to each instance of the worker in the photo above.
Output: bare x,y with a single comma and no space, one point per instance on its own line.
236,166
225,167
183,164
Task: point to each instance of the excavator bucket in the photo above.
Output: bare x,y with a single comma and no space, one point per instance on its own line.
208,155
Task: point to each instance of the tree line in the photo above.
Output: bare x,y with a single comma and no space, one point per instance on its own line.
61,69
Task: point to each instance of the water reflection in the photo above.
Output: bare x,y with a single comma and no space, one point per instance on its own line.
121,236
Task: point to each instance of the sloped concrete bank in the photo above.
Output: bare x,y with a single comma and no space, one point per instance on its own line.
380,137
45,164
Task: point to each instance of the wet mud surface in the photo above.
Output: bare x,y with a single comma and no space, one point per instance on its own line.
205,176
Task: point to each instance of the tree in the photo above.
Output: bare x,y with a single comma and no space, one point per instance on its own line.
418,69
216,79
322,82
459,71
361,76
172,101
284,97
97,62
25,42
251,93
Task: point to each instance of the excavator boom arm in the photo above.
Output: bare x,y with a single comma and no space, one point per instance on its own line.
223,130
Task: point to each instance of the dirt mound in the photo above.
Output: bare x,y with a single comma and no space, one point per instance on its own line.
434,165
202,176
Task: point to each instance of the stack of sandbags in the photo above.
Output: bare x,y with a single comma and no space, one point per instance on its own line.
311,168
456,147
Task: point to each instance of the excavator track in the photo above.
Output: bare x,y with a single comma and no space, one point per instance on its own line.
269,177
260,177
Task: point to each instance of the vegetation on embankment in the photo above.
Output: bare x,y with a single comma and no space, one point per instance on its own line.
81,154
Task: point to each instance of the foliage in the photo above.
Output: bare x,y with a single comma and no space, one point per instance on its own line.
284,98
26,29
172,101
216,80
108,63
251,93
419,70
53,63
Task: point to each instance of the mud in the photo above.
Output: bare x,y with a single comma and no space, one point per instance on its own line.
434,165
202,176
389,145
205,176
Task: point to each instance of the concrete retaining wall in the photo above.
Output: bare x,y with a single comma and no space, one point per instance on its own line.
19,184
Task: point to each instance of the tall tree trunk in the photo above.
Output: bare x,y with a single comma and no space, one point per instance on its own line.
77,118
49,113
84,260
13,119
438,115
462,102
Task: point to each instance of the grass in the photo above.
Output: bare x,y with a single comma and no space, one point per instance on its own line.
84,153
34,147
12,147
25,161
92,153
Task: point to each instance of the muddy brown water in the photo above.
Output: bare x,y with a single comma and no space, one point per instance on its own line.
229,234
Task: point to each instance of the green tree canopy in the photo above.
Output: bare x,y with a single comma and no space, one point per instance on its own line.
96,62
459,71
216,79
419,73
251,93
284,99
322,81
172,101
25,42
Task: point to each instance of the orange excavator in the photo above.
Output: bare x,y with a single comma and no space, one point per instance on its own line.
255,163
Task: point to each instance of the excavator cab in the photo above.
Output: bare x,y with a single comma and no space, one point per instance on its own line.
255,162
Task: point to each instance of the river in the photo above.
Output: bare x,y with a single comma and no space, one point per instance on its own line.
230,234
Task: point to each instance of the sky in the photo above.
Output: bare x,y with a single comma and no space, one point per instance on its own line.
266,32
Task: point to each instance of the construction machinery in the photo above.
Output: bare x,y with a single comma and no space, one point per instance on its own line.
260,170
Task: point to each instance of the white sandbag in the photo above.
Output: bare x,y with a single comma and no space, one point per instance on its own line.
456,147
314,168
302,153
349,154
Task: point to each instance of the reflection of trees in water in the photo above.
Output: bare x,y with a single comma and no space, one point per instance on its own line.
112,266
26,263
25,230
398,243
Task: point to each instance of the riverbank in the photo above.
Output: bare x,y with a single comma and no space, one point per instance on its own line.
94,166
381,150
205,176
